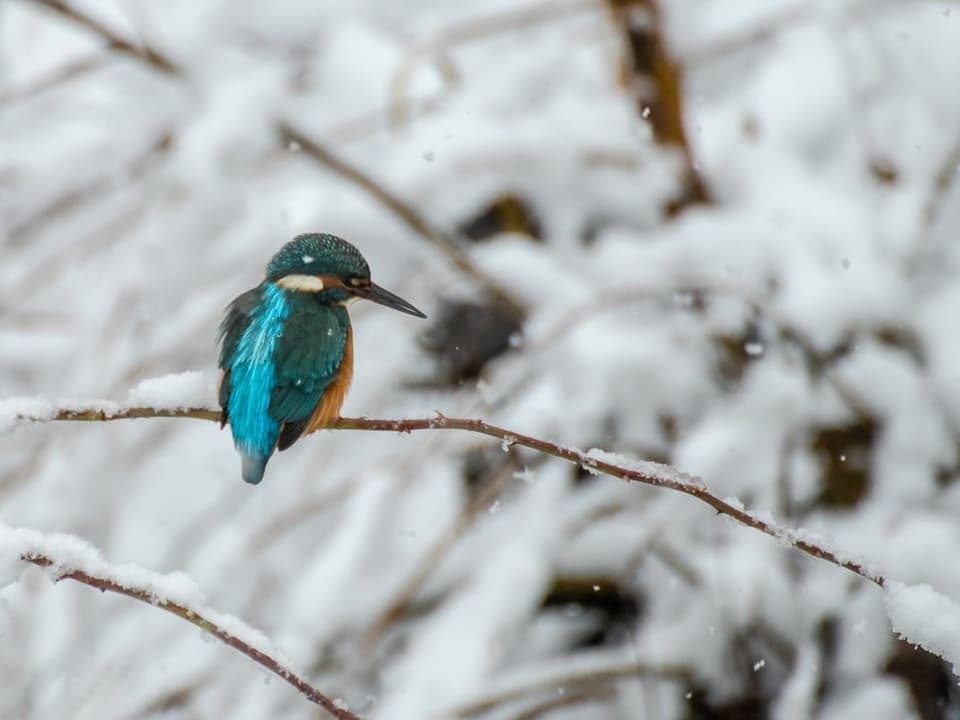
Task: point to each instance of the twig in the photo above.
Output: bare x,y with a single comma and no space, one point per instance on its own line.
647,473
106,584
511,20
143,53
655,78
62,76
943,181
566,700
590,674
758,31
409,215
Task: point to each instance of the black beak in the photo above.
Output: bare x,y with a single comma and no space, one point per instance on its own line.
385,297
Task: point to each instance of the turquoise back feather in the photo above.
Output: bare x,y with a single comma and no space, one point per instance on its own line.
252,375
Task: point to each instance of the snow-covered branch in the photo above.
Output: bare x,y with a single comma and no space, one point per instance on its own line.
66,557
594,461
184,396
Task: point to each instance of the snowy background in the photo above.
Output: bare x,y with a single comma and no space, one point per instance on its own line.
755,284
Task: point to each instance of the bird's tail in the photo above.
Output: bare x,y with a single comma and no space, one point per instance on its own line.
253,467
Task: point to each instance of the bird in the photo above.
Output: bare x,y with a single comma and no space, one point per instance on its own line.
286,346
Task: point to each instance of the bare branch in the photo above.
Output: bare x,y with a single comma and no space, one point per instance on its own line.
647,473
143,53
510,20
107,584
586,675
566,700
63,75
944,180
655,78
410,216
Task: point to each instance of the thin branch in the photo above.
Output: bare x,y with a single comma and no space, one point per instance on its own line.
410,216
943,181
574,678
566,700
511,20
143,53
655,79
106,584
759,31
647,473
62,76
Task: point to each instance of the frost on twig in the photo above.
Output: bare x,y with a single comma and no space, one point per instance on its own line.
66,557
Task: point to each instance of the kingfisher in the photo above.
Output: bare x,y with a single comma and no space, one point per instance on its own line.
286,346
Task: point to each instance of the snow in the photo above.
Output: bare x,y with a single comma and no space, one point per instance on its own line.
175,391
68,553
881,698
922,616
792,344
15,410
659,471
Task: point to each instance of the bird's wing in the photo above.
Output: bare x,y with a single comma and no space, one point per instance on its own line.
307,358
235,321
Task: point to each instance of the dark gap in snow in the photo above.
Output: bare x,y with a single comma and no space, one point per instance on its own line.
508,212
464,337
932,685
614,608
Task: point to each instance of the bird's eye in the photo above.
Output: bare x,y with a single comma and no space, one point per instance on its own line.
357,282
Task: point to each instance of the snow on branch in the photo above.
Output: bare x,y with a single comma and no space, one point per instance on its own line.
921,615
66,557
187,395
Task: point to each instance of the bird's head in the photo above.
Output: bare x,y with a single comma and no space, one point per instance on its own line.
331,268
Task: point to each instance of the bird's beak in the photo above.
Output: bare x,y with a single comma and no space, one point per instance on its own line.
385,297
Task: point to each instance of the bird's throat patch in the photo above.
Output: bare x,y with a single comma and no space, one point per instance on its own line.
302,283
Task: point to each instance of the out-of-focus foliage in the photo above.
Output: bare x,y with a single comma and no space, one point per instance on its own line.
733,228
